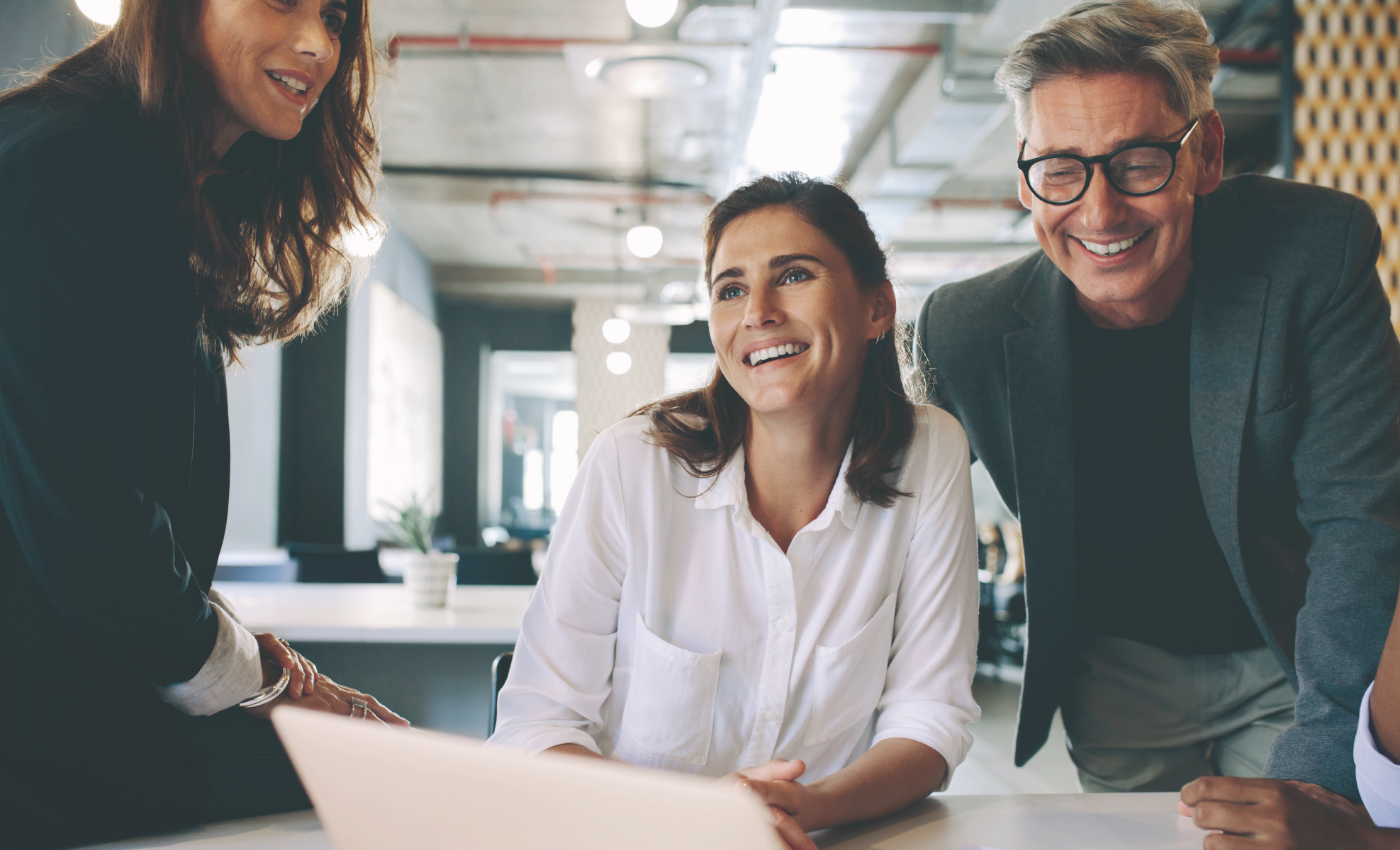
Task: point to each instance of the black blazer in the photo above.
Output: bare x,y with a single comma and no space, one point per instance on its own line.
1295,397
114,465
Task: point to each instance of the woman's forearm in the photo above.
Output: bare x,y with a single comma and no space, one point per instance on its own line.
574,750
891,775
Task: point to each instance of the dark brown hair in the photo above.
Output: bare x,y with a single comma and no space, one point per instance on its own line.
704,428
268,219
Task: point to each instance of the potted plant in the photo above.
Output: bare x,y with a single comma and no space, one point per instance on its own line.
428,575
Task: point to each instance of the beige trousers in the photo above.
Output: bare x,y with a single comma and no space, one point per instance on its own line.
1139,718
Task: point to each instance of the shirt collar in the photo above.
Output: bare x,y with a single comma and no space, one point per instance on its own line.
729,489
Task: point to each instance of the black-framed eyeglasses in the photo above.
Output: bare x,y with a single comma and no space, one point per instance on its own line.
1138,169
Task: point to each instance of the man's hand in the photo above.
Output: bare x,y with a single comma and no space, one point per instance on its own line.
776,784
1266,814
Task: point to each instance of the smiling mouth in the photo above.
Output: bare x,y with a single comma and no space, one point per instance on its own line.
776,352
292,85
1111,248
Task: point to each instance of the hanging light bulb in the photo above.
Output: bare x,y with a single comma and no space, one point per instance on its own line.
616,331
104,12
364,240
652,13
618,362
644,240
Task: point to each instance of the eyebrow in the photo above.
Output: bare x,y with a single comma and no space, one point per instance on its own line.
1117,145
339,6
777,262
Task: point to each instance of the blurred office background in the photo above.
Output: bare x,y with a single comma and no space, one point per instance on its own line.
547,167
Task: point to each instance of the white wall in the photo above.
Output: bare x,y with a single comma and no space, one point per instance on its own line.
254,421
402,270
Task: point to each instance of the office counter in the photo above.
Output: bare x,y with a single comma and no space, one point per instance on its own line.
377,613
950,822
432,665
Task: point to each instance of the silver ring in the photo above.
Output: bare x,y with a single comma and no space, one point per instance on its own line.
356,702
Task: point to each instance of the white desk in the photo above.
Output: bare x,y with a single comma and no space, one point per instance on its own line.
1026,822
377,613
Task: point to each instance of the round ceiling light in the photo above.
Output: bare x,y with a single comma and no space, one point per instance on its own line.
651,76
644,240
363,240
616,331
104,12
618,362
652,13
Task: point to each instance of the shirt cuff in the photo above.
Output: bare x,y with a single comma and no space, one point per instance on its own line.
231,674
1377,777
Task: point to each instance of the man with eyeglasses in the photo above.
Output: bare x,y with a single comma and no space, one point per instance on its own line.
1189,396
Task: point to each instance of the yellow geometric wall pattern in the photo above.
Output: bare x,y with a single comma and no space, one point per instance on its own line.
1347,112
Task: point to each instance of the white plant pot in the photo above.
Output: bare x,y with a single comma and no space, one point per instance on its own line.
429,578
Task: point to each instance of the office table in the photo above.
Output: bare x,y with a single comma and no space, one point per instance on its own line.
377,613
952,822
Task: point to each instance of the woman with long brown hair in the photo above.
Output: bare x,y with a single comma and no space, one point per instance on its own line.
772,578
178,189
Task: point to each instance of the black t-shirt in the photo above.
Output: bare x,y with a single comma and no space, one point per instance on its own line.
1148,565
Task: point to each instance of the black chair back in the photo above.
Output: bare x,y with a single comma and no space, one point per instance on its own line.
319,563
500,669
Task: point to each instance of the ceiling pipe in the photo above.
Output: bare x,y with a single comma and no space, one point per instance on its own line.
506,196
471,173
1235,56
487,44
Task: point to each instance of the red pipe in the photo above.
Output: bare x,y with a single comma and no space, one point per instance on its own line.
509,44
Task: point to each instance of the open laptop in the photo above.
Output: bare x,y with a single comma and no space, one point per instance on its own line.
375,787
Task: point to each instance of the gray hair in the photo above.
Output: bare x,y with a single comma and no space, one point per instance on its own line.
1166,39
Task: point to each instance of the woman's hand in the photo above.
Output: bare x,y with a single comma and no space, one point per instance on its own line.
274,649
1266,814
776,785
334,698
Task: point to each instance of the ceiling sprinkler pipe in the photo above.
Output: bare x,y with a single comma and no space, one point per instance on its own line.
511,44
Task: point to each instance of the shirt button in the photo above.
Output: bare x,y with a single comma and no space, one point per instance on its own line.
781,624
773,717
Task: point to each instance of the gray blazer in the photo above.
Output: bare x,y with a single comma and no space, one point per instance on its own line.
1295,400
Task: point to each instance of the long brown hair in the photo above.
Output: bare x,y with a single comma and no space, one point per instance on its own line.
704,428
269,218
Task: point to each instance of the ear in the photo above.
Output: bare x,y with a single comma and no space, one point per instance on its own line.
1022,190
883,306
1210,166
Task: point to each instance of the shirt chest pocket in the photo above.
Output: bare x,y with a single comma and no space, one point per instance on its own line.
670,708
848,679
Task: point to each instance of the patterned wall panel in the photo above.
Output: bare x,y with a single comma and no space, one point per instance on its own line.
1347,112
604,398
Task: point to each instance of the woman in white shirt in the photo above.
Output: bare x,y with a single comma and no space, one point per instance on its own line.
772,577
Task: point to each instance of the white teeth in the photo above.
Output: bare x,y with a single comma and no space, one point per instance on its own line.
763,354
295,85
1113,247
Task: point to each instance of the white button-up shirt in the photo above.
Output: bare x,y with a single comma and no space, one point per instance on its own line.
1377,777
670,630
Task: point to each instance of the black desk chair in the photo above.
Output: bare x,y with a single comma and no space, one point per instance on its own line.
495,566
324,564
500,669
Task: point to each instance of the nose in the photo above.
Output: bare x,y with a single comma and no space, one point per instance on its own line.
763,309
312,40
1102,206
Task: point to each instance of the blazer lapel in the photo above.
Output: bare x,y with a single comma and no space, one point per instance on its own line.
1040,392
1226,323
